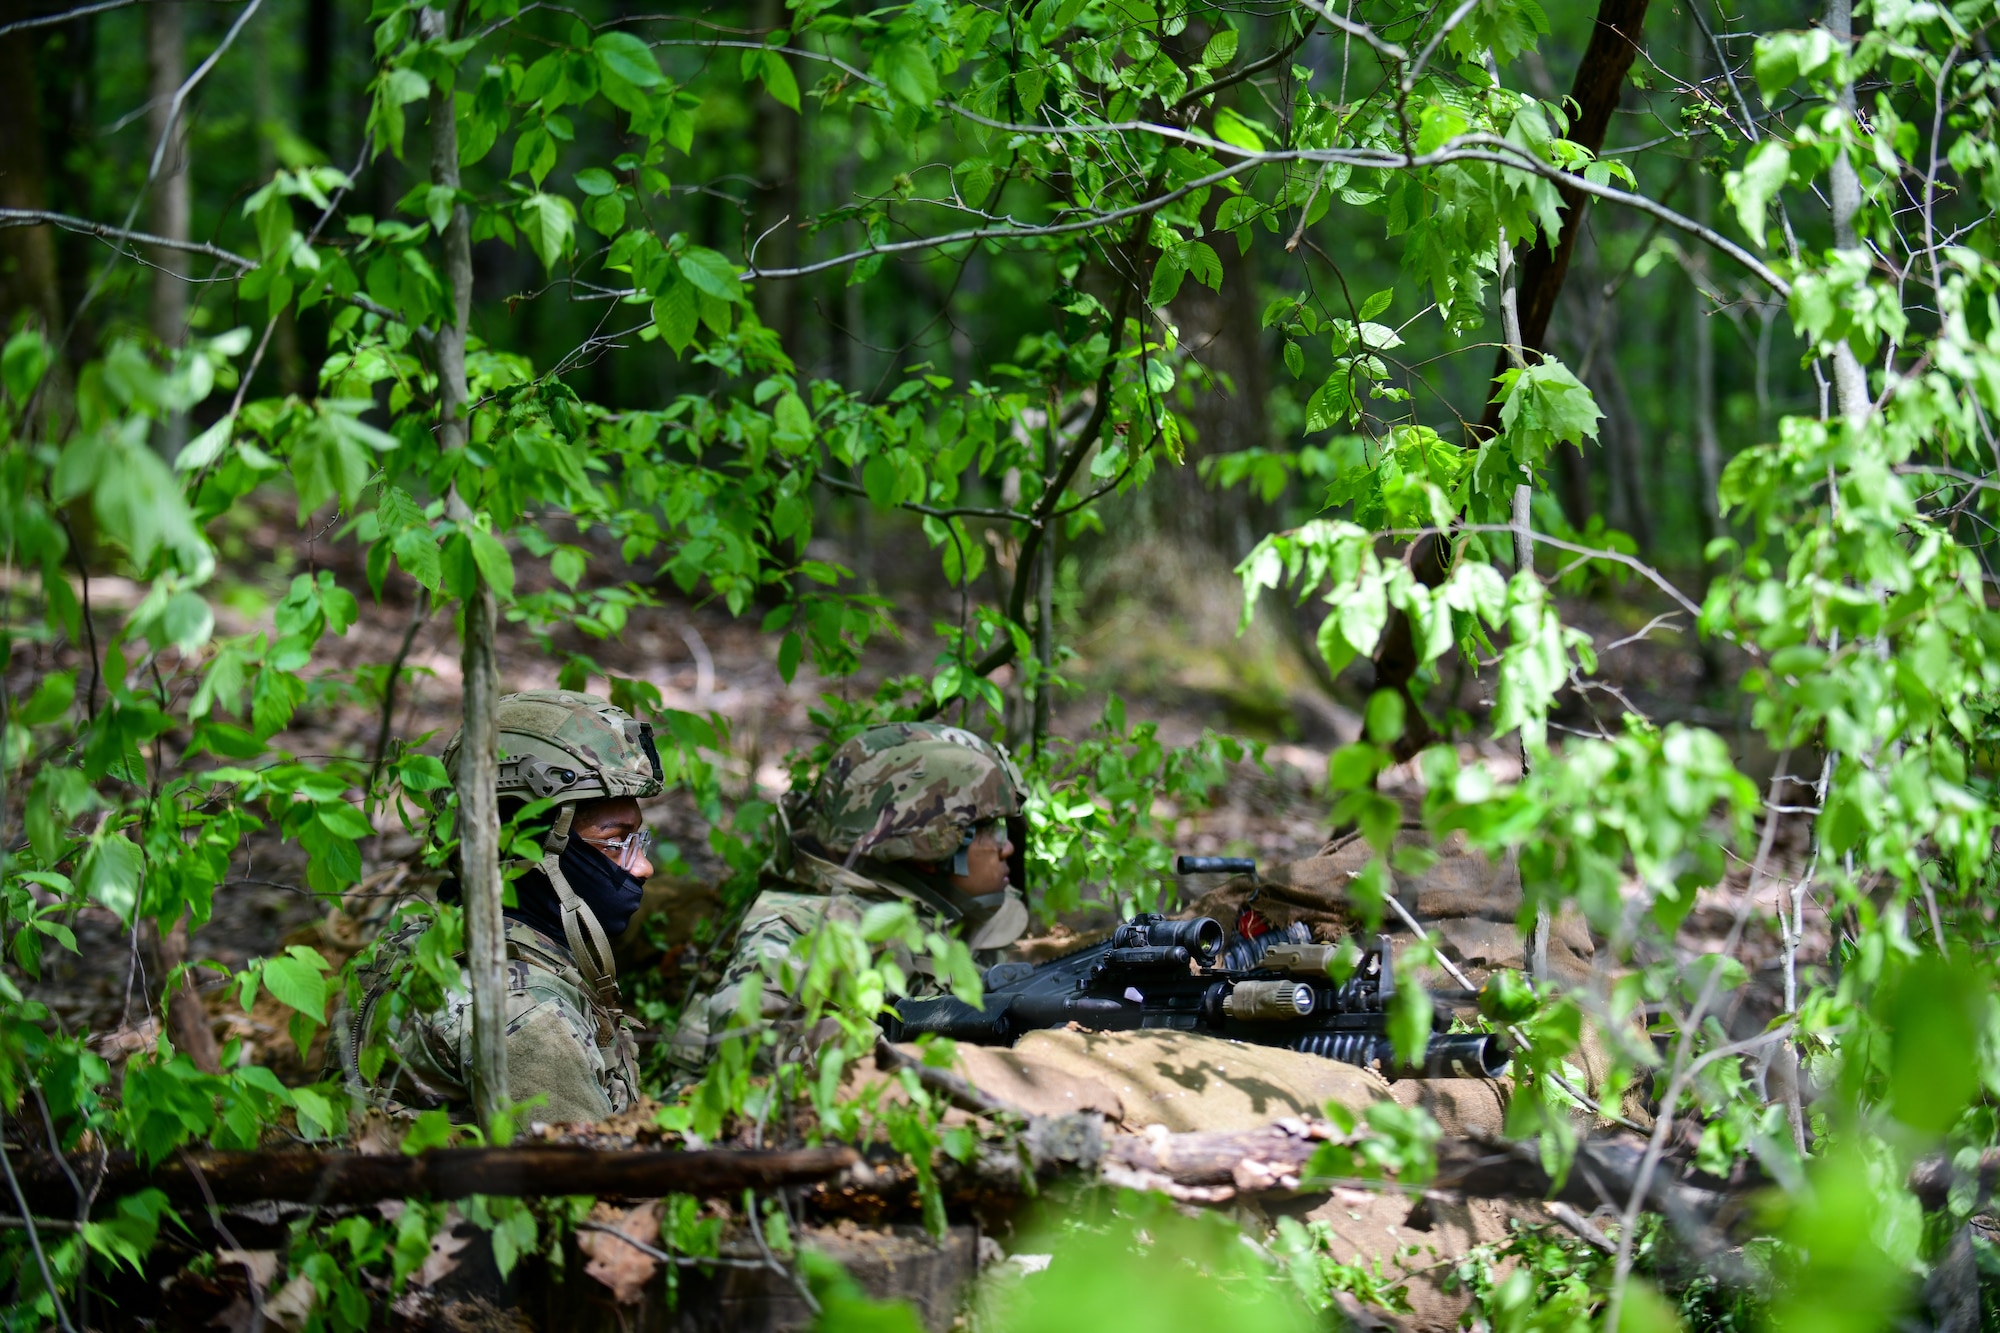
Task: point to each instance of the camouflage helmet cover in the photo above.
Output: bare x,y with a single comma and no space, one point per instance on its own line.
909,791
570,747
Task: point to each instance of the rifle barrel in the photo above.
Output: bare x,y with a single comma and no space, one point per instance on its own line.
1214,865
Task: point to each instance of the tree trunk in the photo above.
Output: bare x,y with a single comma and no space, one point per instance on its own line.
27,254
1595,92
72,143
1599,83
270,124
1850,381
1628,439
479,751
1707,444
316,99
1220,331
166,63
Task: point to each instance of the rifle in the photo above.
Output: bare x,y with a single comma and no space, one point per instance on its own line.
1270,990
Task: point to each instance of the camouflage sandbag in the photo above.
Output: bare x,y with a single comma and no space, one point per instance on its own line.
1178,1080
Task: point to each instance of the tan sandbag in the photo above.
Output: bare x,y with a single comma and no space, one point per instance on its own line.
1188,1082
1036,1086
1461,1106
1373,1228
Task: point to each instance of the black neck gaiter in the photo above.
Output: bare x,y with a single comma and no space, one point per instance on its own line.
609,890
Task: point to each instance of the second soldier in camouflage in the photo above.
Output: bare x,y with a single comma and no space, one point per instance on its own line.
918,811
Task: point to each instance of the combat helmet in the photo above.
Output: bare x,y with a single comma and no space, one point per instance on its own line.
568,747
913,791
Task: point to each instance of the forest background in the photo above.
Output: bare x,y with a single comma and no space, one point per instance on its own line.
1594,402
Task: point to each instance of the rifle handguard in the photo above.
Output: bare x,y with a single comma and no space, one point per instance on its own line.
1252,1000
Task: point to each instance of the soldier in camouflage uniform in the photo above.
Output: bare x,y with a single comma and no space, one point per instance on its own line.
567,1040
919,811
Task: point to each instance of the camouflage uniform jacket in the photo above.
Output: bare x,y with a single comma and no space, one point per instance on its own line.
787,909
562,1043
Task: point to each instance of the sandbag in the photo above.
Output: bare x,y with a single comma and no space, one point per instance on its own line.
1416,1243
1185,1082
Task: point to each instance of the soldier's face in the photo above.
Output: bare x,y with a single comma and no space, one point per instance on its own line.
985,862
608,827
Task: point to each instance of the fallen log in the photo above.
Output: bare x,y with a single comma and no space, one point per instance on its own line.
346,1178
1221,1167
1265,1163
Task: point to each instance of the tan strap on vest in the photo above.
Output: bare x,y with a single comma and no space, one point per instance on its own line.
594,961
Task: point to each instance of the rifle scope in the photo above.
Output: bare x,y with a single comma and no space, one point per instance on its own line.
1201,937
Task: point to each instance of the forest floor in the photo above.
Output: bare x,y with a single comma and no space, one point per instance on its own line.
1147,621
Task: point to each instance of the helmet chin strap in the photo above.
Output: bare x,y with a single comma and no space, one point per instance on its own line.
595,961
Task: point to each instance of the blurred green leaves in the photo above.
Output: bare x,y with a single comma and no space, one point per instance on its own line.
1144,1267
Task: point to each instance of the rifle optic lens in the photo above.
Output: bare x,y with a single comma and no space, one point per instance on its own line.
1201,937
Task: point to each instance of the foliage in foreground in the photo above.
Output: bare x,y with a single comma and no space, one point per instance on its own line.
1102,153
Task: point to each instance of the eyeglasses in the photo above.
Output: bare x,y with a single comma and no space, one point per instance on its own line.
626,851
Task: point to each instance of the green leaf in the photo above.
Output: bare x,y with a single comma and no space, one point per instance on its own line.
110,874
23,363
343,820
438,203
1234,129
1328,407
1544,405
1410,1020
549,223
907,70
790,649
186,621
206,447
880,477
1935,1013
779,80
596,181
495,565
1353,767
1221,49
421,772
1506,997
1385,716
630,59
605,214
676,314
1753,188
432,1129
50,700
567,565
297,982
416,551
317,1116
711,272
1168,274
1203,265
794,423
1377,303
